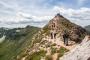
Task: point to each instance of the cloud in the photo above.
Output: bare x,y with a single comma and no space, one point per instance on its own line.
79,16
38,12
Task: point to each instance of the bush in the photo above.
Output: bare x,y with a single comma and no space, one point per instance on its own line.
48,57
62,50
53,50
37,55
53,44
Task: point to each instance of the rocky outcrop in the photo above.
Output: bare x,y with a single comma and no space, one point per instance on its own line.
59,24
80,52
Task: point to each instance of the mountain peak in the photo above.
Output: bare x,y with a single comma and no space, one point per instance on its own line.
60,24
58,15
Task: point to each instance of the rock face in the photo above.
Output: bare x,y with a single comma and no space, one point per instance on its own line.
59,24
80,52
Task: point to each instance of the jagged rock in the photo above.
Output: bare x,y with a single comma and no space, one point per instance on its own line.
80,52
59,24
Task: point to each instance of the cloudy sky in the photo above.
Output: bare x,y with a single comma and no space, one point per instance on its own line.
19,13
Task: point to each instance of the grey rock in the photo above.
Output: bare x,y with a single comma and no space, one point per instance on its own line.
80,52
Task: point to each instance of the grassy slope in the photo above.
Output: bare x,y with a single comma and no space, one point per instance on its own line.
9,49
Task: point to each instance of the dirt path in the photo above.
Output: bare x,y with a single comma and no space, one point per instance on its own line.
60,43
69,47
55,56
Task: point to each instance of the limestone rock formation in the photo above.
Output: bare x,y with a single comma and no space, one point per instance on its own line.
80,52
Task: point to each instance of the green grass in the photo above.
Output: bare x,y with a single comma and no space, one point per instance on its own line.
9,49
37,55
46,30
49,57
53,50
61,52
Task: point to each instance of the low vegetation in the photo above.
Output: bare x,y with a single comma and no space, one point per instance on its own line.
37,55
16,42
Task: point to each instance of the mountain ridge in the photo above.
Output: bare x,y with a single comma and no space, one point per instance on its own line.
46,42
16,41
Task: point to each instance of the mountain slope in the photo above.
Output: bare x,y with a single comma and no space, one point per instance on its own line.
48,42
16,41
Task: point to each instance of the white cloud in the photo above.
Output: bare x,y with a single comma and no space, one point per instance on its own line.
14,13
79,16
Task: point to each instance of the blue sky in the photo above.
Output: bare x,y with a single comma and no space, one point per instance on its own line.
19,13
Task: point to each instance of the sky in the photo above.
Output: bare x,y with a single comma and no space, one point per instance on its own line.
20,13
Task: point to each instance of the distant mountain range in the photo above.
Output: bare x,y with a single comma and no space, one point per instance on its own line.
87,28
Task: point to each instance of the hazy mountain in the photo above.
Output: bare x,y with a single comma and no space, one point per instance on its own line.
87,28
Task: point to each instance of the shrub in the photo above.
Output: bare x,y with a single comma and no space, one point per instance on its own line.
48,57
37,55
53,50
61,51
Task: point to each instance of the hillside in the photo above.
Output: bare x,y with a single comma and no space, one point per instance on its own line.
48,44
16,40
